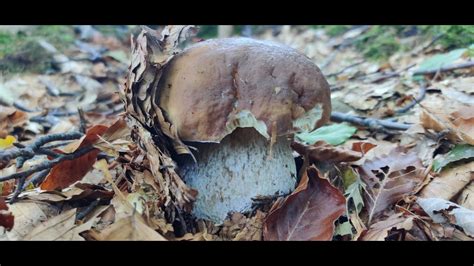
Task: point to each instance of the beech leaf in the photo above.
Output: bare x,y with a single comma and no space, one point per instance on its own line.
308,213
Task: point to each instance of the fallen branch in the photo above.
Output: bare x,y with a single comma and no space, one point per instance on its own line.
32,149
445,68
48,164
371,123
416,100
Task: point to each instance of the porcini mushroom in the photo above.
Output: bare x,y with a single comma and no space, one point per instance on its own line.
239,101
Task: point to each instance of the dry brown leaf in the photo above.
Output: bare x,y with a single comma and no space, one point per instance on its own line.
6,217
459,124
67,172
308,213
61,227
379,231
449,182
129,228
466,199
363,147
324,152
389,178
240,228
28,214
10,118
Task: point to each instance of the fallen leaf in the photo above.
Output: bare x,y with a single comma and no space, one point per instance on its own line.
466,199
324,152
449,182
334,134
67,172
389,178
10,118
308,213
363,147
441,60
7,142
61,227
344,229
443,211
459,152
6,217
379,231
129,228
28,215
459,124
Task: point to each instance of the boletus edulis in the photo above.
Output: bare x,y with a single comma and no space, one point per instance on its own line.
239,101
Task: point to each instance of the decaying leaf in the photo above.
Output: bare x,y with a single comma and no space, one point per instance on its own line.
363,147
240,228
67,172
61,227
129,228
466,199
6,217
28,215
443,211
308,213
380,230
389,178
10,118
150,54
460,124
459,152
449,182
324,152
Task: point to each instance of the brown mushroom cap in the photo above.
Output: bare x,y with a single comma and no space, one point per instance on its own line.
215,86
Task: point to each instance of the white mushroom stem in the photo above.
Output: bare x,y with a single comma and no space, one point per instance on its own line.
229,174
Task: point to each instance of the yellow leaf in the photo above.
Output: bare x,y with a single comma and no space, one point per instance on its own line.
7,142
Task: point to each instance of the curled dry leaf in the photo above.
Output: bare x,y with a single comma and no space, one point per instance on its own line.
379,231
61,227
443,211
128,228
67,172
466,199
240,228
10,118
157,137
325,152
308,213
449,182
460,124
389,178
6,217
363,147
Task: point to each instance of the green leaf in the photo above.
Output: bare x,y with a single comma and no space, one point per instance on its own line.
349,176
334,134
353,192
343,229
440,60
118,55
459,152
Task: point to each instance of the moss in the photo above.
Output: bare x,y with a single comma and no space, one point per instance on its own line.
452,36
20,52
379,42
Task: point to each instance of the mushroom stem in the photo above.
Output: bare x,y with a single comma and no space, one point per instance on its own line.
229,174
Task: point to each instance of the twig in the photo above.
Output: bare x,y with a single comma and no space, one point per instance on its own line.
36,178
372,123
18,189
48,164
30,151
391,74
83,121
416,100
84,212
345,68
445,68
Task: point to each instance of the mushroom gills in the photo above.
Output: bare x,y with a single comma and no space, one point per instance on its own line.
229,174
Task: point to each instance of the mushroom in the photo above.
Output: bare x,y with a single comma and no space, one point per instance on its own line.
239,101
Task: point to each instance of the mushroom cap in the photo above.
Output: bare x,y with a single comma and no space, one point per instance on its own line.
216,86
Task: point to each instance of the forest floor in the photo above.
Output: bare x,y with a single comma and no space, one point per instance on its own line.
396,160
